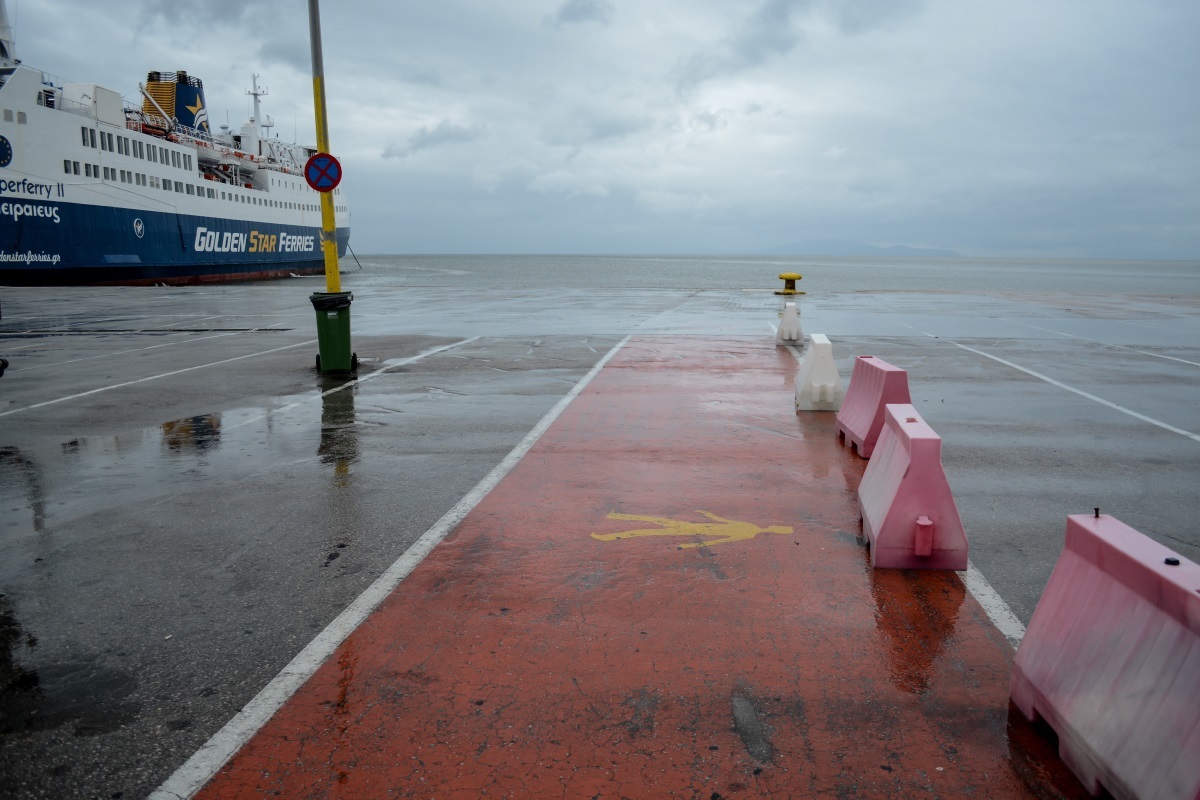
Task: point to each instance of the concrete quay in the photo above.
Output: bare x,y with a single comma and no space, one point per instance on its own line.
187,505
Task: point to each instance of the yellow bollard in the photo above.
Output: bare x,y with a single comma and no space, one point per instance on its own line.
789,282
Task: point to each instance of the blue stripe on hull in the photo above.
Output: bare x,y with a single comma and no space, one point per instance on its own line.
69,244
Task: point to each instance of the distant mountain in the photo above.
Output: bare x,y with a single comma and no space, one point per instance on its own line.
846,247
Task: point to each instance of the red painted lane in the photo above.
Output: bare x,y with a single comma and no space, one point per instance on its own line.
527,658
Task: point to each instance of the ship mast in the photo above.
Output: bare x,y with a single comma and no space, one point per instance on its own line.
259,121
8,45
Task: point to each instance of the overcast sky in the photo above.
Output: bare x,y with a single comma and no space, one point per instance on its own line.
991,127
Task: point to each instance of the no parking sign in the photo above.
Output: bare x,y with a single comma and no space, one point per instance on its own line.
323,172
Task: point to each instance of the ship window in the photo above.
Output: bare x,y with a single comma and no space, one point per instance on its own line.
166,185
87,169
190,189
91,138
212,194
67,165
75,167
83,132
8,115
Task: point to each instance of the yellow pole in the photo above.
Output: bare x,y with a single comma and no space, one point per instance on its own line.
333,280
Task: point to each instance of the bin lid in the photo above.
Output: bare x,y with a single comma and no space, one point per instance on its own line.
323,301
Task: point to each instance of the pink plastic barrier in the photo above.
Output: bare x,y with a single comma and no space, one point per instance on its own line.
909,515
1111,660
873,384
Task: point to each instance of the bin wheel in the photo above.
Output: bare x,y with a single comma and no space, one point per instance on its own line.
354,362
318,362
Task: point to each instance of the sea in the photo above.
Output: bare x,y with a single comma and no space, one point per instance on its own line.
820,274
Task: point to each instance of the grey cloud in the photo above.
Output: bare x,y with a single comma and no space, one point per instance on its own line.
577,11
582,126
213,13
766,33
427,138
708,121
287,51
862,16
419,76
616,126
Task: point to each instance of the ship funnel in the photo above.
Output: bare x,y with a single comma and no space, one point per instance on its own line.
180,96
8,45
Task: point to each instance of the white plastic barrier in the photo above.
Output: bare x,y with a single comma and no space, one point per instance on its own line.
818,385
789,326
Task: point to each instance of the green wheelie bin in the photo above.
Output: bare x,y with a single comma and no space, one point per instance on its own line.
333,332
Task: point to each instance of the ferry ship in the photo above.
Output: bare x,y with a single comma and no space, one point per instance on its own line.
95,190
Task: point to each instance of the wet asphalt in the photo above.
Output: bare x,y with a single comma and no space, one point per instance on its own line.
185,502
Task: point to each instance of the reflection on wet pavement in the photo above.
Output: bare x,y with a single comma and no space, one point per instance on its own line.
194,433
916,611
82,693
339,439
20,477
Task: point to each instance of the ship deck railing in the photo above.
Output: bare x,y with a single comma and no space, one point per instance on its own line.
60,103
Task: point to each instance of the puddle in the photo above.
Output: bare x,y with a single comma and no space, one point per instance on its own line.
44,490
84,694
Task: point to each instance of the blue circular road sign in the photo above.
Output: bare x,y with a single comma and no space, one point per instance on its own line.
323,172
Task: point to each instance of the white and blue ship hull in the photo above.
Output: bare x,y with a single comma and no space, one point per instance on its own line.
58,243
93,190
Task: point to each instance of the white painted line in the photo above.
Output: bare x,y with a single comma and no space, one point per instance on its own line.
209,759
126,352
1193,436
997,610
404,362
1106,344
153,378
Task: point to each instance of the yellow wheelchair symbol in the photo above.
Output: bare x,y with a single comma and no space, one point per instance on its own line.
723,530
